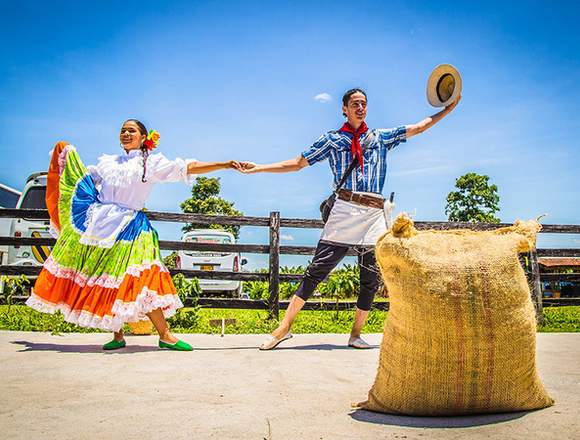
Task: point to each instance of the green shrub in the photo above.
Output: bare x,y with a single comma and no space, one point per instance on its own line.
561,319
185,318
342,283
186,288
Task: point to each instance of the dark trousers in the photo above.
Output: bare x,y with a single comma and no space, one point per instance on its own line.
326,258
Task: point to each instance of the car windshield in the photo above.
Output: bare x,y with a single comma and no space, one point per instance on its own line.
34,198
8,199
213,239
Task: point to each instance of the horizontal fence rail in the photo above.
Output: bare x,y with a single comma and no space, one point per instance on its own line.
255,304
42,214
249,276
274,222
312,304
245,248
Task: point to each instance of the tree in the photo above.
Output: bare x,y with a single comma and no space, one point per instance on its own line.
205,200
475,201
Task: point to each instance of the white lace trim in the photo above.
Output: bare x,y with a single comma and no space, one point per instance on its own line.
89,215
106,281
136,269
53,230
146,302
105,243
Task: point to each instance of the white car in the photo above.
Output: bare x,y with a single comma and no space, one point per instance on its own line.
8,199
212,261
32,197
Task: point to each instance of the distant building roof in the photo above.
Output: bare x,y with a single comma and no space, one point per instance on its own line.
558,261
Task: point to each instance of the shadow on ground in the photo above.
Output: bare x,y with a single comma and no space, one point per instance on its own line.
325,347
68,348
313,347
65,348
362,415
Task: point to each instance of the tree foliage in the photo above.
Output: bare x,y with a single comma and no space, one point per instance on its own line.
205,200
170,261
474,201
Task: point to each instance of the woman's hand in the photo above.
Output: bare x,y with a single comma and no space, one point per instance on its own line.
248,167
233,164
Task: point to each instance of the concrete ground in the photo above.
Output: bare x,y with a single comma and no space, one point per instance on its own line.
66,387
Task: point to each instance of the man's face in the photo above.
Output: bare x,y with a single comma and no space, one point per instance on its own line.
356,109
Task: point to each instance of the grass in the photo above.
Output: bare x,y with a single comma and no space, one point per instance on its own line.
308,321
19,317
22,318
561,319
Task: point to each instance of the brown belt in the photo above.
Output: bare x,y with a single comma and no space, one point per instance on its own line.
361,199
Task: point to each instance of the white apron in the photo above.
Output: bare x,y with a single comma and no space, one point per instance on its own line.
356,225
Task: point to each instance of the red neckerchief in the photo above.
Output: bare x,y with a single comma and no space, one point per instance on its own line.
355,147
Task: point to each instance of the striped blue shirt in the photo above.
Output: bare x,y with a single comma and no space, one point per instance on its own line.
336,147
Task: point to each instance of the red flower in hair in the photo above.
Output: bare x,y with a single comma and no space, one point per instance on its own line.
152,140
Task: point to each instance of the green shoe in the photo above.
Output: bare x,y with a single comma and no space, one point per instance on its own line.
114,345
179,345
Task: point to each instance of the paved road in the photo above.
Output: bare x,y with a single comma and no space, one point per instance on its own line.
65,387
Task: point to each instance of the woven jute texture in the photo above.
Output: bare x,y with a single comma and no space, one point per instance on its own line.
460,337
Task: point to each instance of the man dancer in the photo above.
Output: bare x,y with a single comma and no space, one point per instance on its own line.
357,218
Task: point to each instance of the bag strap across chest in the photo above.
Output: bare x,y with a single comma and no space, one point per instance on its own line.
365,144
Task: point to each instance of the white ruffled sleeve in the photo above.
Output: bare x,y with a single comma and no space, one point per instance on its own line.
162,169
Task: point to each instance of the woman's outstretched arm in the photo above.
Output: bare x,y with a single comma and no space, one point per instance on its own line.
197,167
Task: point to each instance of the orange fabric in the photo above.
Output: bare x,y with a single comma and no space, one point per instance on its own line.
52,184
98,300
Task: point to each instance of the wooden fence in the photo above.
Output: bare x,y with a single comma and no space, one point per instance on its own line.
274,222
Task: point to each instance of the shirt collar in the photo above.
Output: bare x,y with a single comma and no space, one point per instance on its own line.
131,153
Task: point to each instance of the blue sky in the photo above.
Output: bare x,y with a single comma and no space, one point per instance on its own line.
222,80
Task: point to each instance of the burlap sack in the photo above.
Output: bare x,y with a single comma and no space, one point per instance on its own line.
460,337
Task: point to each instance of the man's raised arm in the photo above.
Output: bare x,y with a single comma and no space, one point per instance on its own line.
286,166
427,123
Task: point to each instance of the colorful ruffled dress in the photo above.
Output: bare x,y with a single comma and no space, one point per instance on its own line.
105,268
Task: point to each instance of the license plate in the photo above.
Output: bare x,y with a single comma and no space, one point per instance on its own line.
210,268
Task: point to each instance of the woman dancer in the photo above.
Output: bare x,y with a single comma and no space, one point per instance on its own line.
106,268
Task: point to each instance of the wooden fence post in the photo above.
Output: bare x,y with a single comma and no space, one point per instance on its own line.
536,289
274,278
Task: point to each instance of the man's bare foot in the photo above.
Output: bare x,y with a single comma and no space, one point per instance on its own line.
272,342
358,342
281,331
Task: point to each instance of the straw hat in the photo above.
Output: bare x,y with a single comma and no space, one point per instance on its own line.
443,85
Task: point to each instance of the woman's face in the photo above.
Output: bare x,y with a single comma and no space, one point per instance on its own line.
130,136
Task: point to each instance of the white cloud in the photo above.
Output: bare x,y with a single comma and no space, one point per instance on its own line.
323,97
286,237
